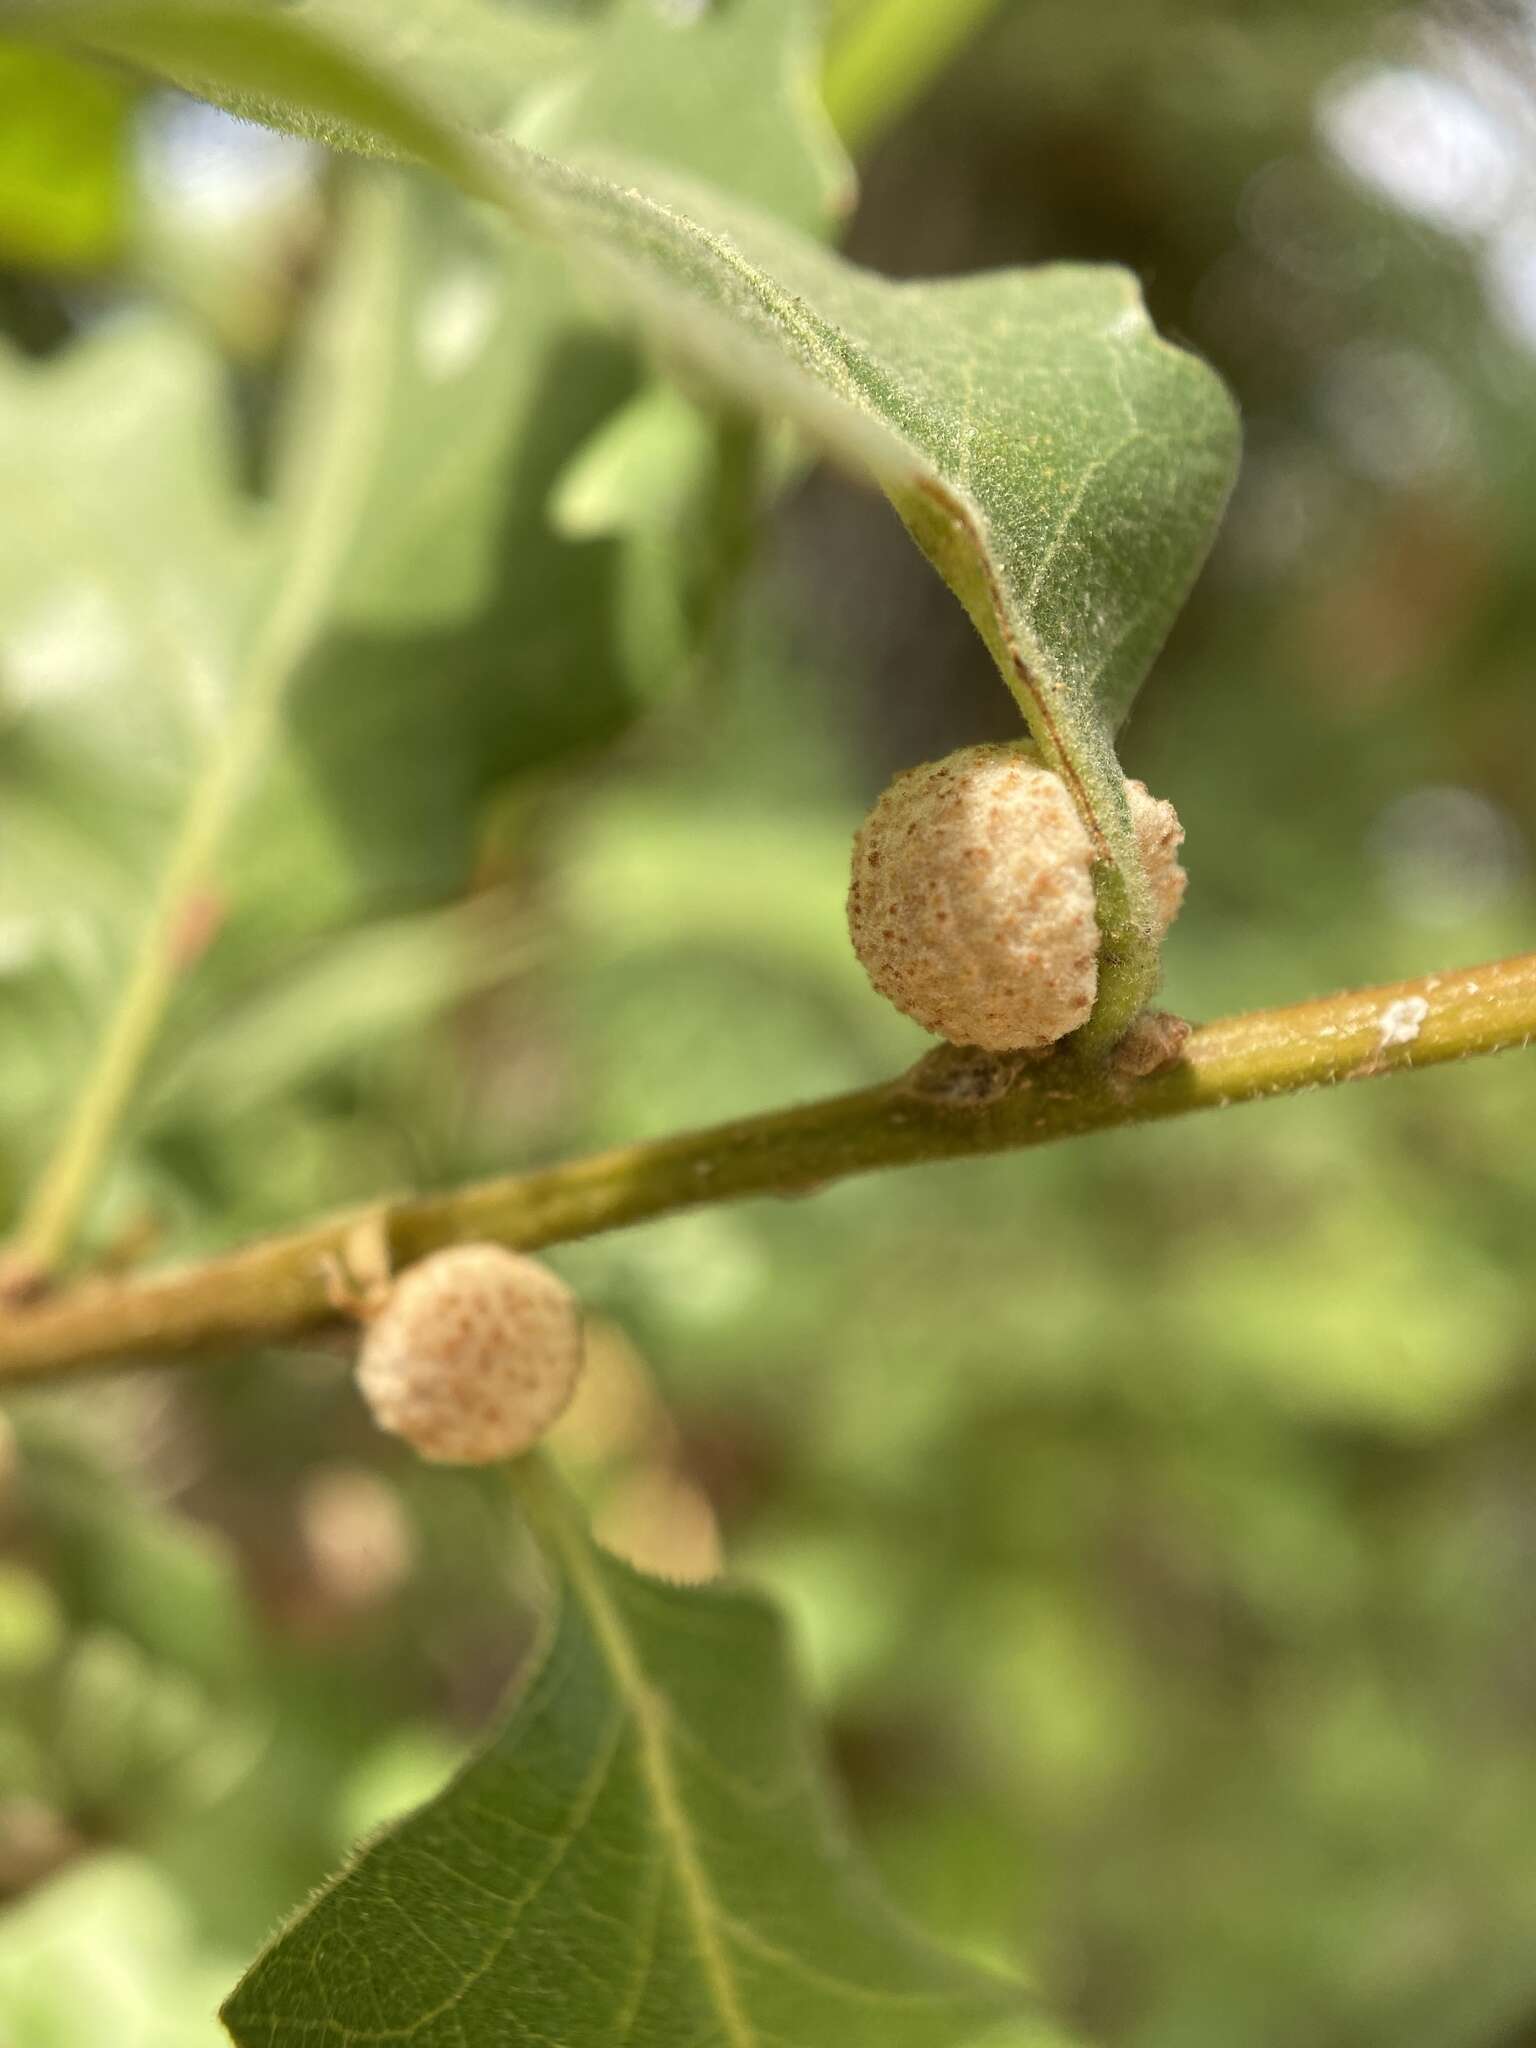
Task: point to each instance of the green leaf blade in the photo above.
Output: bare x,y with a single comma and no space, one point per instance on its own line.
63,154
644,1855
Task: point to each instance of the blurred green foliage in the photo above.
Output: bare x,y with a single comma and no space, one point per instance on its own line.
1156,1515
63,149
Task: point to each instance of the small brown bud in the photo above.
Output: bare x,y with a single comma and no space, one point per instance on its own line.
1156,1040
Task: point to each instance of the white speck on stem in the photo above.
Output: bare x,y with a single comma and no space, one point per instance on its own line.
1400,1021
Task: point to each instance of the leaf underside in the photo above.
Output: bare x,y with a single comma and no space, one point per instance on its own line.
642,1857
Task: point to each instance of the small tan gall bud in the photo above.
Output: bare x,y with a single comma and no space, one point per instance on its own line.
473,1356
972,900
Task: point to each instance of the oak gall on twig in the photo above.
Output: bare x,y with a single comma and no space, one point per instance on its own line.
972,899
472,1356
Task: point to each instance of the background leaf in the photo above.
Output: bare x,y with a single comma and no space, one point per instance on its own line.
482,53
123,596
1062,467
63,139
727,95
466,641
475,636
886,53
111,1936
643,1854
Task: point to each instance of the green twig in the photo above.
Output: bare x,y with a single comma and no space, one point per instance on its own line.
331,446
889,54
951,1106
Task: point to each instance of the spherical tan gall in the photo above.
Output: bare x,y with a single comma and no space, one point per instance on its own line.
972,903
972,900
473,1356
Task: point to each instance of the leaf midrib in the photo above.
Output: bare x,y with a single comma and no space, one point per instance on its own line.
658,1772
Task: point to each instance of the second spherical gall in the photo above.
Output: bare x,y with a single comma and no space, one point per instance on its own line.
473,1356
